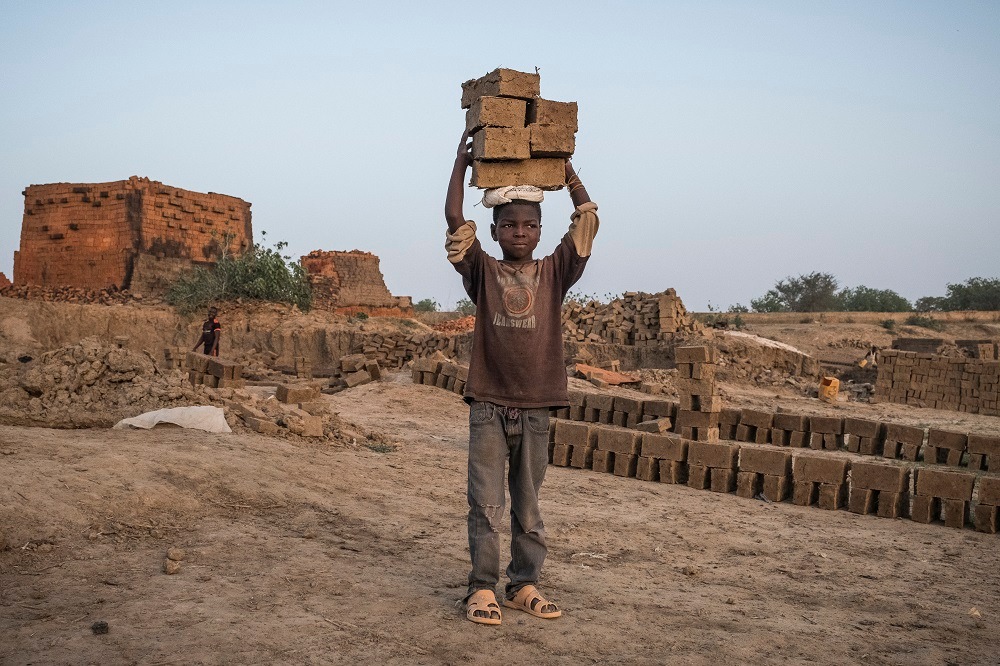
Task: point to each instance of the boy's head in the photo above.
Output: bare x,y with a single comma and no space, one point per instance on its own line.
517,227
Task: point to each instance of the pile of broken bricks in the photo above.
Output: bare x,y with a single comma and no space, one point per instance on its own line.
637,319
518,138
296,409
353,370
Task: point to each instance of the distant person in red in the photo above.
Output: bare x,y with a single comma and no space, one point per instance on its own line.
211,331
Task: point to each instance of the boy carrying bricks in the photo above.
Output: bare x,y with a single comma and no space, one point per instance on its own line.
516,373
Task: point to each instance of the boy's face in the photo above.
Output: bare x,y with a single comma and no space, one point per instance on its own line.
518,231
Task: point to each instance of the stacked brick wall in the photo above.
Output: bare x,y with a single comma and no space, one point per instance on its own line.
941,382
123,234
350,281
636,318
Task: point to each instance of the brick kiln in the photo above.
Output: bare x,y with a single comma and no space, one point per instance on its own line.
350,282
136,234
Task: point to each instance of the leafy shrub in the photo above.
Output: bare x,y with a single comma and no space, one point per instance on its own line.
888,324
260,274
465,307
924,322
426,305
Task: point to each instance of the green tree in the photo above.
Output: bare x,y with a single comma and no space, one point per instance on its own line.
465,307
974,294
260,273
426,305
815,292
866,299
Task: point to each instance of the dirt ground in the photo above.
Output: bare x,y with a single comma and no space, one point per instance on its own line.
319,553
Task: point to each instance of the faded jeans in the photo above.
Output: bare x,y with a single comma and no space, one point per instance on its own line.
492,440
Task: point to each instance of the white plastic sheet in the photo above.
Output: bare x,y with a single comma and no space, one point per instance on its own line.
209,419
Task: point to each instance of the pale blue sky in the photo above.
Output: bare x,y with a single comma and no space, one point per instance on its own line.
729,144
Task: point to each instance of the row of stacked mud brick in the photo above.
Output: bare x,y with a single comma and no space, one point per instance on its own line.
954,383
824,480
395,350
213,371
441,373
637,318
518,138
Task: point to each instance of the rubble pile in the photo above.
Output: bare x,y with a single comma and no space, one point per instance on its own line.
110,296
637,318
461,325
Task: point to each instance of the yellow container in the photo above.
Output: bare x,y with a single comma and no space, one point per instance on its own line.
829,387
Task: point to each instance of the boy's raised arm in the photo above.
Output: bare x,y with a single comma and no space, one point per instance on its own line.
576,189
456,186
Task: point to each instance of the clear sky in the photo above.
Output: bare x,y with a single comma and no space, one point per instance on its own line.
728,144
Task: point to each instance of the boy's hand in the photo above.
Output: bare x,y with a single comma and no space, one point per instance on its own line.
465,150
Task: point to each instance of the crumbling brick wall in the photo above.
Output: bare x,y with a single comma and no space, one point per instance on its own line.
4,282
941,382
351,281
131,234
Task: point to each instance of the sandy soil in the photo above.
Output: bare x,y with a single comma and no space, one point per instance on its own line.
313,554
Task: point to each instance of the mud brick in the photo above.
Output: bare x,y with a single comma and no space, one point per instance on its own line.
450,385
892,505
496,112
618,419
429,378
547,173
821,441
196,377
699,354
293,393
549,112
984,452
689,419
804,493
659,408
607,417
790,422
373,369
701,403
989,490
647,469
575,434
263,426
427,365
746,433
577,398
231,383
986,518
441,380
551,140
576,413
862,427
876,476
730,416
780,437
704,434
765,461
197,362
862,501
591,415
501,143
698,477
748,484
560,413
664,447
703,371
654,426
798,440
956,512
727,431
907,437
706,454
762,436
553,424
672,471
694,387
756,418
831,496
945,439
604,402
926,509
603,461
561,455
355,362
819,469
625,464
946,485
628,405
622,441
501,82
775,488
722,480
826,424
868,446
459,386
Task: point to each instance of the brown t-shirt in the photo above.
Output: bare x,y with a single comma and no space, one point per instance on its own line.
517,346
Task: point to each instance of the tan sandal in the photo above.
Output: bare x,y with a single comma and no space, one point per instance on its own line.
483,601
530,601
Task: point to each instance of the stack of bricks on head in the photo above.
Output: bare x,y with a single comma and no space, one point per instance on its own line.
518,138
928,475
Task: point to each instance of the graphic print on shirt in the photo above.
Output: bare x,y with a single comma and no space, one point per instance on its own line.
519,286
